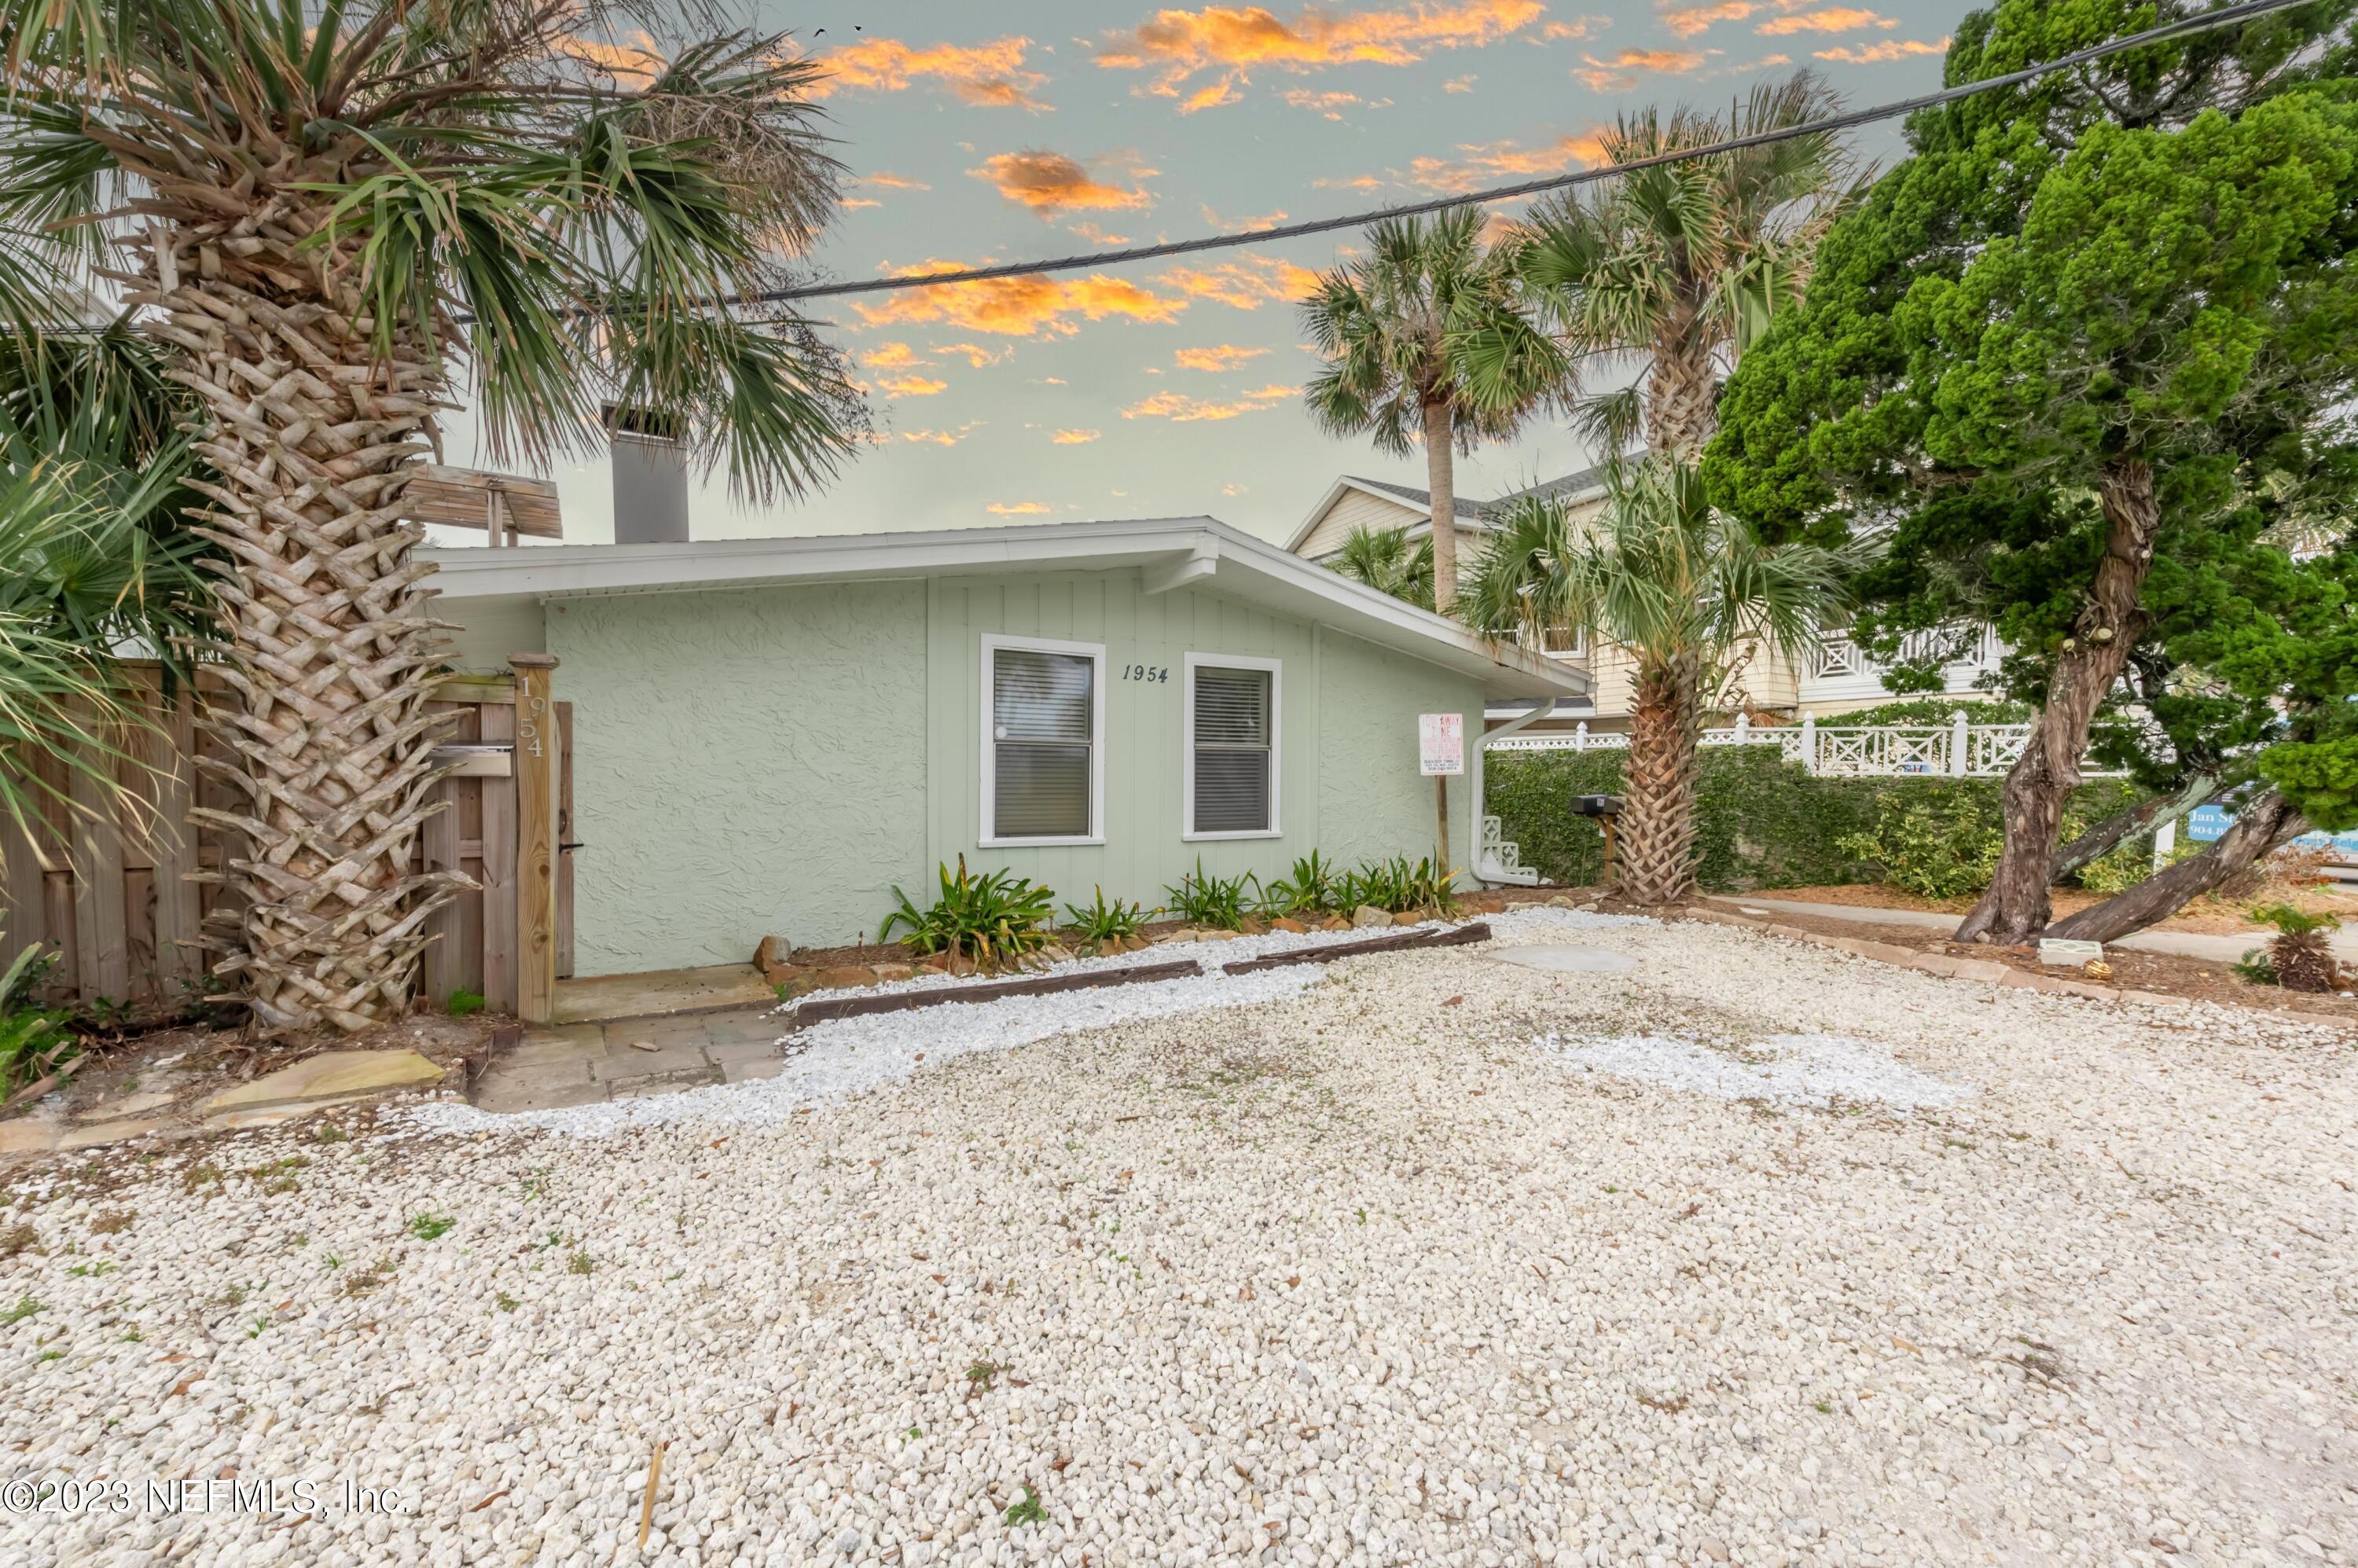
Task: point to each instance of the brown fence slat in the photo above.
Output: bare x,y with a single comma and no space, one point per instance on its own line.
102,948
564,839
439,839
24,919
172,851
499,878
1460,936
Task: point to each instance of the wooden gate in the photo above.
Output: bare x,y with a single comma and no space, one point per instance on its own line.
112,896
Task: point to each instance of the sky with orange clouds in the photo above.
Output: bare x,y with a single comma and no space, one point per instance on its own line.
980,134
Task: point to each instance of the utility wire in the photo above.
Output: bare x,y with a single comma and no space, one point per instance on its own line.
2207,22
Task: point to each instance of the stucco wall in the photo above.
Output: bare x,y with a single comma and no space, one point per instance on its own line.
492,631
744,763
776,760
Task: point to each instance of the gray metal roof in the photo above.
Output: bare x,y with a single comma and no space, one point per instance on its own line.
1460,506
1588,480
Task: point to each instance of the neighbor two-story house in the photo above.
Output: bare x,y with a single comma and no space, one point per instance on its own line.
1772,684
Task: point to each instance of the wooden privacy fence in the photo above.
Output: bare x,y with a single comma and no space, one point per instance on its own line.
110,892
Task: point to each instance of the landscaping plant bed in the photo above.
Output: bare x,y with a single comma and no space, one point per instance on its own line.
2168,974
1456,937
1037,984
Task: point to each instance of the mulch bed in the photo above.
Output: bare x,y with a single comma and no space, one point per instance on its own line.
2200,979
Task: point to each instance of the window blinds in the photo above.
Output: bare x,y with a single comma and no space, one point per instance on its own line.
1232,745
1041,706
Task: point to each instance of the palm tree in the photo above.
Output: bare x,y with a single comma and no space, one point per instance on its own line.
323,212
1686,590
1678,267
1386,560
93,561
1397,326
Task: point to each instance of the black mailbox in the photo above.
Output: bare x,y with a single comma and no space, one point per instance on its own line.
1597,805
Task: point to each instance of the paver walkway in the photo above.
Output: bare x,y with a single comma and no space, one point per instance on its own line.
2185,944
574,1063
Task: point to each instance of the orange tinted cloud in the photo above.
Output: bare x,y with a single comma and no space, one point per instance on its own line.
1331,104
1175,45
1833,19
1021,509
884,181
1074,438
1216,356
935,438
1483,163
1180,409
1693,19
633,64
1460,84
891,356
990,74
1247,285
1888,50
1026,305
1051,182
977,356
1622,70
911,385
1578,27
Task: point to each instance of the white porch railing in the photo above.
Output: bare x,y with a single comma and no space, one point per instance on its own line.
1954,750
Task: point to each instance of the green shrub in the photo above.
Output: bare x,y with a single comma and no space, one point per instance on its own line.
1201,899
1397,885
33,1040
464,1004
1760,821
989,918
1921,711
1309,888
1102,921
1931,838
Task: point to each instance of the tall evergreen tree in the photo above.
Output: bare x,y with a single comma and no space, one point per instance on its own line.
2093,323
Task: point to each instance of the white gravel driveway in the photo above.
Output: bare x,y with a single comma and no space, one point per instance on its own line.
1432,1261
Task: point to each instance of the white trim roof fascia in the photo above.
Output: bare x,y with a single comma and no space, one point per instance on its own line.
1283,580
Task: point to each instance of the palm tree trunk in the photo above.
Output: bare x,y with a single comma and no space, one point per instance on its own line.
1657,828
2260,827
327,642
1440,485
1682,404
2040,786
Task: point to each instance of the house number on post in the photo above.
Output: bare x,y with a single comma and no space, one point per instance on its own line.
527,728
1146,672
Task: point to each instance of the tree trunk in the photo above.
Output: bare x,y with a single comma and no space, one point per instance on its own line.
327,640
2040,786
2122,826
2269,821
1440,485
1682,402
1657,830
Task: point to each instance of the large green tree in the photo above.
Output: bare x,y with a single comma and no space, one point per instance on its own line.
337,217
1399,328
2055,344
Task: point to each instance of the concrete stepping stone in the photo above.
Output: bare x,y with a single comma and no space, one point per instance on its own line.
1565,960
331,1074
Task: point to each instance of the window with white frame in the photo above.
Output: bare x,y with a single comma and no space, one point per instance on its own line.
1042,741
1231,723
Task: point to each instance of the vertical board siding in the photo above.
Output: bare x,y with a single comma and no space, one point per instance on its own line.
122,898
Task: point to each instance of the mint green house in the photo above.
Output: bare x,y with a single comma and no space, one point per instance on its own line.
770,735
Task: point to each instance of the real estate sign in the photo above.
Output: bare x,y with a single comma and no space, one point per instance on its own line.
2206,823
1440,743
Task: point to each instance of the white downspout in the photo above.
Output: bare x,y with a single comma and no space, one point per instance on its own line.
1487,868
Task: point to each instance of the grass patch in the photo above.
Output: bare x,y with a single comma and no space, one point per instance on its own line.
430,1227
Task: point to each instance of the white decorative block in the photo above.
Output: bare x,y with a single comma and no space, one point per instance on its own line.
2060,950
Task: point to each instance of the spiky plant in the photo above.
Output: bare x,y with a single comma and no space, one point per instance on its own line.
2300,952
1678,267
1684,589
1398,327
328,214
1386,561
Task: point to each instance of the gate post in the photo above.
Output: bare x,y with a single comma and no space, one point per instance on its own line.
536,761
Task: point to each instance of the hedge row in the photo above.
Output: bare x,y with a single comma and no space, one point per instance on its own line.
1762,822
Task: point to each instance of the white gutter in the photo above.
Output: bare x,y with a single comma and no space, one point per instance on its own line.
1486,866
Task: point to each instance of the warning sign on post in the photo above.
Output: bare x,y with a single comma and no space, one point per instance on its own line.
1440,743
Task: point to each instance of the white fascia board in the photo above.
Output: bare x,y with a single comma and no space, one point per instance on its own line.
1248,566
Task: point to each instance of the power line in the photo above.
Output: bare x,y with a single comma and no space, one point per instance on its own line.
2207,22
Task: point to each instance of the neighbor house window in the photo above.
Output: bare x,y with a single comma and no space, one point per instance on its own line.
1042,741
1231,760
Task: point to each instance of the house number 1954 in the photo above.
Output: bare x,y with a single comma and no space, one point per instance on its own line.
1145,672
